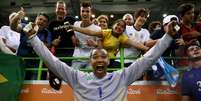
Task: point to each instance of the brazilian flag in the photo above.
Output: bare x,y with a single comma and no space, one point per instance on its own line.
11,77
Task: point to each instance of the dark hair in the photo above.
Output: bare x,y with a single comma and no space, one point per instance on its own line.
60,2
141,11
85,4
182,9
193,43
153,25
197,14
43,14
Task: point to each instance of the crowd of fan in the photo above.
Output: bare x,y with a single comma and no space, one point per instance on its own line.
65,36
91,33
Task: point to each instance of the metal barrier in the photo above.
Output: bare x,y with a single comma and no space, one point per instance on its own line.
40,68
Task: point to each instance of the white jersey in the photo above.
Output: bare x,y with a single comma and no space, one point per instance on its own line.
113,86
12,38
139,36
83,49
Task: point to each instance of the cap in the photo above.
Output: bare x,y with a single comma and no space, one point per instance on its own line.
169,18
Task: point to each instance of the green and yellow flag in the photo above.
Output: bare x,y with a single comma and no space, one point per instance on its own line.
11,77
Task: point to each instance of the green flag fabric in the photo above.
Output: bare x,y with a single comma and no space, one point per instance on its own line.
11,77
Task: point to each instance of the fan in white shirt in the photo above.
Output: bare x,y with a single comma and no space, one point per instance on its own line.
9,39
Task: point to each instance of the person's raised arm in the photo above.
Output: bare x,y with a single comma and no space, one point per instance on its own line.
58,67
16,20
135,70
135,44
150,43
87,31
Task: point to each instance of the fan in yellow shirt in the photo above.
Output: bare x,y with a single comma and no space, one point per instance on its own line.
113,38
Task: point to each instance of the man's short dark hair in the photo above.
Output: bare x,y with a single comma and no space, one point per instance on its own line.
193,43
182,9
141,11
85,4
44,14
60,2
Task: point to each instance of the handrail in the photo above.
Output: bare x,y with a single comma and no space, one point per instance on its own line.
41,68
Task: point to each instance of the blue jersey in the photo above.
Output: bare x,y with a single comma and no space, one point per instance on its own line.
191,84
25,48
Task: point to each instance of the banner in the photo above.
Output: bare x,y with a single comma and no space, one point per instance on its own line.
139,91
11,77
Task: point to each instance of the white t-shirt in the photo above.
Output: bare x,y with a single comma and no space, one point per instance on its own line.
139,36
83,49
12,38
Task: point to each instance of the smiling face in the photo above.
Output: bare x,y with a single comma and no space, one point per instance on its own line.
128,19
85,13
194,51
102,23
140,20
99,61
61,11
119,27
41,21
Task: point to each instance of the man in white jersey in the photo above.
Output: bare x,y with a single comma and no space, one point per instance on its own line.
86,43
136,32
100,85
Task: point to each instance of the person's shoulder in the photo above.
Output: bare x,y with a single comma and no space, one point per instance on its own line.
52,22
45,30
71,19
108,31
157,34
188,73
77,23
145,31
5,27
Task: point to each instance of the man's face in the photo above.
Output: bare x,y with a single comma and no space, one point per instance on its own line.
99,61
189,16
129,20
41,21
61,11
85,13
140,20
194,51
